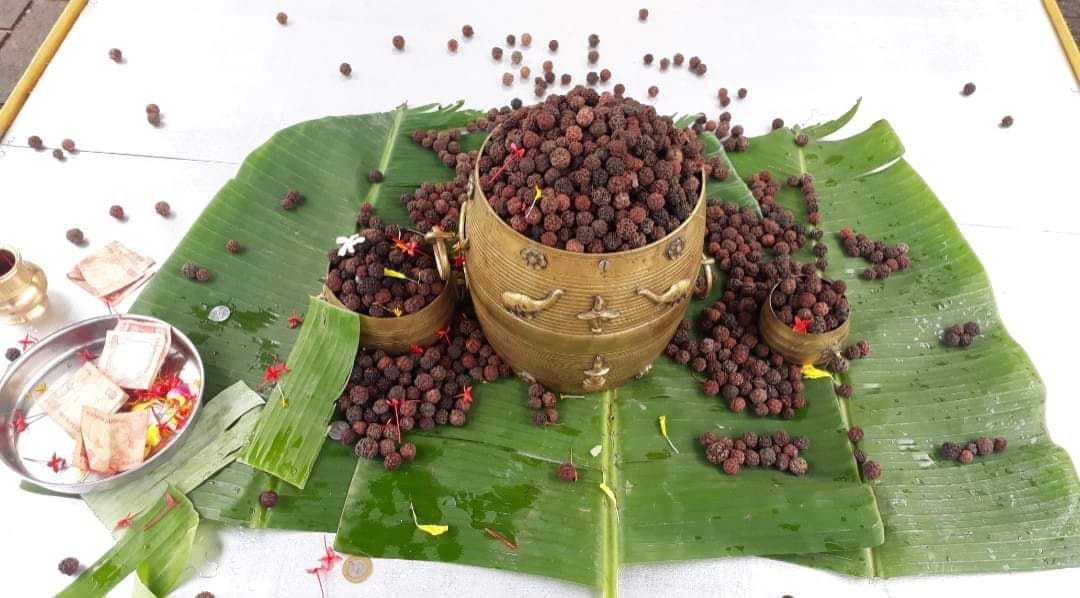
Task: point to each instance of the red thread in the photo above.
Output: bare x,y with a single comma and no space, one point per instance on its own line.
515,154
506,541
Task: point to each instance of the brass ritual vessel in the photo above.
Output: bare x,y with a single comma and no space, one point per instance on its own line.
578,322
817,349
23,288
396,335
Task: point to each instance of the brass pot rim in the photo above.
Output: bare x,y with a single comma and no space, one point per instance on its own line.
331,298
14,266
572,254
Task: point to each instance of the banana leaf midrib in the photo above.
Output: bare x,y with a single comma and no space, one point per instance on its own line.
825,129
611,522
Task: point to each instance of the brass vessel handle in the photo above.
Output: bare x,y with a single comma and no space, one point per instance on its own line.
463,239
706,266
438,239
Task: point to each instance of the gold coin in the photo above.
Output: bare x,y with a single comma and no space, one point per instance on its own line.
356,569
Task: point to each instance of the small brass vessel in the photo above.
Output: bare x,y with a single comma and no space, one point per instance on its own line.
23,288
397,335
802,349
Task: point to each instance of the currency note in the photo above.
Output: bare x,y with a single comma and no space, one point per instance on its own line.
87,386
114,442
79,458
133,358
110,270
115,297
132,325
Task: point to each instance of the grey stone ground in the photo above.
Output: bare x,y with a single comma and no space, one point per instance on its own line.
23,26
1071,10
25,23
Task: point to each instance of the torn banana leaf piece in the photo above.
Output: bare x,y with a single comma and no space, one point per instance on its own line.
292,426
157,544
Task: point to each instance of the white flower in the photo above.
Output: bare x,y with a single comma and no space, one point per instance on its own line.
348,244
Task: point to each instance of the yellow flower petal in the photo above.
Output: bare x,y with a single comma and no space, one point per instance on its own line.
434,530
663,431
153,436
611,495
427,528
813,373
537,192
393,273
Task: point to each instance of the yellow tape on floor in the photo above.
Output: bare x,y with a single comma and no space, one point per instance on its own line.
1068,44
37,65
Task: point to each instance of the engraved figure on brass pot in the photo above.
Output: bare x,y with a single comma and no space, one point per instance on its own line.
675,248
524,306
676,293
598,314
596,378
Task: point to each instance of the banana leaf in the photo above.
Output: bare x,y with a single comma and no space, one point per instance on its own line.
292,427
219,432
498,472
664,503
156,545
1006,512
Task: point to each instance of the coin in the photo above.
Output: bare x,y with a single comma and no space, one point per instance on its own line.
337,429
356,568
219,313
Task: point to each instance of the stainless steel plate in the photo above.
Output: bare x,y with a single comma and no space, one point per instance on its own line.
28,452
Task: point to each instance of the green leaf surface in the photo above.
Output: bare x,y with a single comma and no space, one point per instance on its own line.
219,432
1007,512
292,426
161,573
499,471
232,495
156,541
697,527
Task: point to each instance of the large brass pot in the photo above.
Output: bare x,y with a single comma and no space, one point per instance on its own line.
397,335
577,322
